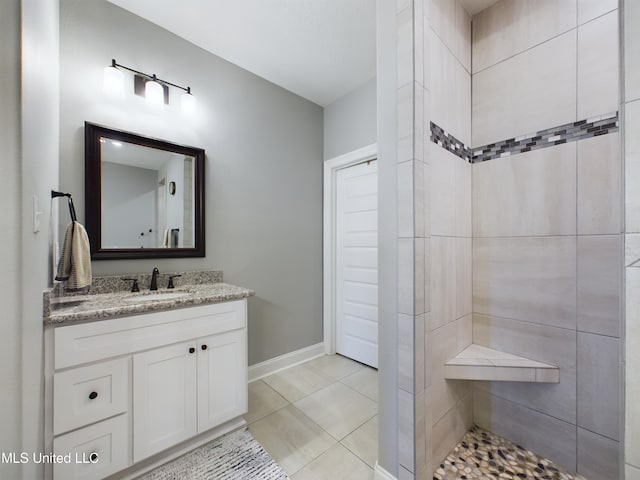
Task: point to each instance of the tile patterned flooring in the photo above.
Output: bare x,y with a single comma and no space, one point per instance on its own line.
483,455
318,420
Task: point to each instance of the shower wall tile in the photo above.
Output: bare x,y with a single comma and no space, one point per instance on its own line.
598,456
599,185
404,60
405,474
599,284
590,9
444,435
418,276
632,167
598,66
405,276
631,49
405,199
632,250
421,435
418,43
528,278
463,196
450,92
405,115
462,47
599,384
426,194
463,277
632,386
538,97
419,364
418,120
556,346
528,194
418,198
443,281
632,473
443,21
406,430
443,191
428,348
540,433
443,392
462,120
405,353
427,275
508,28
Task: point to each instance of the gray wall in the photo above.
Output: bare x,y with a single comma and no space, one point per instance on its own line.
29,167
350,122
263,168
10,374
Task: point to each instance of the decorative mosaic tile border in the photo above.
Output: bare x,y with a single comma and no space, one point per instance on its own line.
570,132
450,143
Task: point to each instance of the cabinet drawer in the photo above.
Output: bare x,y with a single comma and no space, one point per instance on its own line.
89,342
93,452
88,394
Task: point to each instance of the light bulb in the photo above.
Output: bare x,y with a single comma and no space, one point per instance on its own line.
154,93
113,82
188,103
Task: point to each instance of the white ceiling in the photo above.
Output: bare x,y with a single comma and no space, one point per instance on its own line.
318,49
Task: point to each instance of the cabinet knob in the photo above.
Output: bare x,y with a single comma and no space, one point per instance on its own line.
93,456
204,347
192,350
93,395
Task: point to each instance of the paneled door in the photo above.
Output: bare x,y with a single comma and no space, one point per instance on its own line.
356,254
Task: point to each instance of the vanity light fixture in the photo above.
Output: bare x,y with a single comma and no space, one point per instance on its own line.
154,89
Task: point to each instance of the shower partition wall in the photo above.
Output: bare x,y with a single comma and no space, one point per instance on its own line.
510,221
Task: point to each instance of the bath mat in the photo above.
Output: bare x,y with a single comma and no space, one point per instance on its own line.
237,456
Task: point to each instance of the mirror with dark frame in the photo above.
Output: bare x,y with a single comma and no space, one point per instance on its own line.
144,197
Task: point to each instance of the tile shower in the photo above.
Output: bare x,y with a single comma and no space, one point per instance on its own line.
510,225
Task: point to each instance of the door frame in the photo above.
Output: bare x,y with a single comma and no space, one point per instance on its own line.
331,167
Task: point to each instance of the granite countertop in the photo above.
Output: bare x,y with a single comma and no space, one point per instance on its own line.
69,309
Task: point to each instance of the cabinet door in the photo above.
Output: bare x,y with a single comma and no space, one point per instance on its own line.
164,398
222,378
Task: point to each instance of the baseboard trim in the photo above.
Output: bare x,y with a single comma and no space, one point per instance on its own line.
380,473
274,365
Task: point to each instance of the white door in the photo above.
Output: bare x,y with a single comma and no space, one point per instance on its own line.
222,378
164,398
357,263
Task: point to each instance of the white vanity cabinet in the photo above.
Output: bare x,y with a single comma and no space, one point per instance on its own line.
127,388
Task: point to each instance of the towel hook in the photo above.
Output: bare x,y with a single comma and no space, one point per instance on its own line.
72,208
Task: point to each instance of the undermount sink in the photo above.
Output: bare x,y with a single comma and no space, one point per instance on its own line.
154,297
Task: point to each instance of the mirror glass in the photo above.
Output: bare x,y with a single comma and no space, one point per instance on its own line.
144,196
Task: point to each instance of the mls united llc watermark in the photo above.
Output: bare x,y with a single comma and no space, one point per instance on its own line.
39,457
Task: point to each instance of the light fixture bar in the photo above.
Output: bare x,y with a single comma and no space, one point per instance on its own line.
150,77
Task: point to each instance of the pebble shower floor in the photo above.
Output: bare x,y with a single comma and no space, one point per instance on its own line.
484,455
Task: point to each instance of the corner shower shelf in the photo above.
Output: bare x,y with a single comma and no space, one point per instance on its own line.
481,363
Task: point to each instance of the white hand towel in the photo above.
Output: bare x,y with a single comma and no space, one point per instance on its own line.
75,262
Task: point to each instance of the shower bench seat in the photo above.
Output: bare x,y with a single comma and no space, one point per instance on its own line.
481,363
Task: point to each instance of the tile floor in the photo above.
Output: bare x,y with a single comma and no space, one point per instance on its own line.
318,420
482,455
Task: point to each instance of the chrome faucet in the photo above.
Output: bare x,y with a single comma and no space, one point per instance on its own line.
154,279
